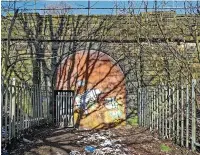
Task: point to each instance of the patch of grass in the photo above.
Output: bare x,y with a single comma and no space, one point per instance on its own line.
165,148
133,121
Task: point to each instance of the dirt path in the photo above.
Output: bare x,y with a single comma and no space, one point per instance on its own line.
128,140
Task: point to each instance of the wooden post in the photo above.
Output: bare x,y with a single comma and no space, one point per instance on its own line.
13,107
193,115
187,116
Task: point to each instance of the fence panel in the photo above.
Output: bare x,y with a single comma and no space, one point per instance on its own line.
21,107
171,111
64,109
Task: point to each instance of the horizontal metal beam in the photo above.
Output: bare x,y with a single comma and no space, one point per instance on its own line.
156,40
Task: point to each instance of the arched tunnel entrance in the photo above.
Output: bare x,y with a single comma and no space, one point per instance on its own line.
99,86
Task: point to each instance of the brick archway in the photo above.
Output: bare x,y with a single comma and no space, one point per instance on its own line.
99,85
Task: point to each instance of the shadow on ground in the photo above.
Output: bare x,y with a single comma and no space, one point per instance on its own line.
55,141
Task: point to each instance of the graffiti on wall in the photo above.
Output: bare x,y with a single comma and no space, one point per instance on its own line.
99,86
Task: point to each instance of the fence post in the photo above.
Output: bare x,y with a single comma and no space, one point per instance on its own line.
13,107
193,116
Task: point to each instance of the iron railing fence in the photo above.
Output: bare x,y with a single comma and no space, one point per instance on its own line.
172,111
64,115
23,107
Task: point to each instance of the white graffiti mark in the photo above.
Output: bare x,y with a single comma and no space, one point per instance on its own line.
115,114
86,98
111,103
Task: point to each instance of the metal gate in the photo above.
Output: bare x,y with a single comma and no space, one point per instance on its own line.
64,111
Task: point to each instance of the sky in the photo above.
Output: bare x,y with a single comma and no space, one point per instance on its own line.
27,5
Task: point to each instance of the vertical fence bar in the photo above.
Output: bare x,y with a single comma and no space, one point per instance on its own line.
187,116
62,106
177,120
144,108
17,108
182,116
66,108
157,108
142,100
20,108
166,113
48,115
38,103
154,109
173,112
35,105
163,111
23,107
3,112
13,106
72,108
151,112
6,111
10,112
56,110
26,107
169,112
138,105
193,115
32,105
160,111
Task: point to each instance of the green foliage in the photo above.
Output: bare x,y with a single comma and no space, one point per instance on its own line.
133,121
165,148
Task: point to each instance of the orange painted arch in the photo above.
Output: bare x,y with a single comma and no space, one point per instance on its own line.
99,85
